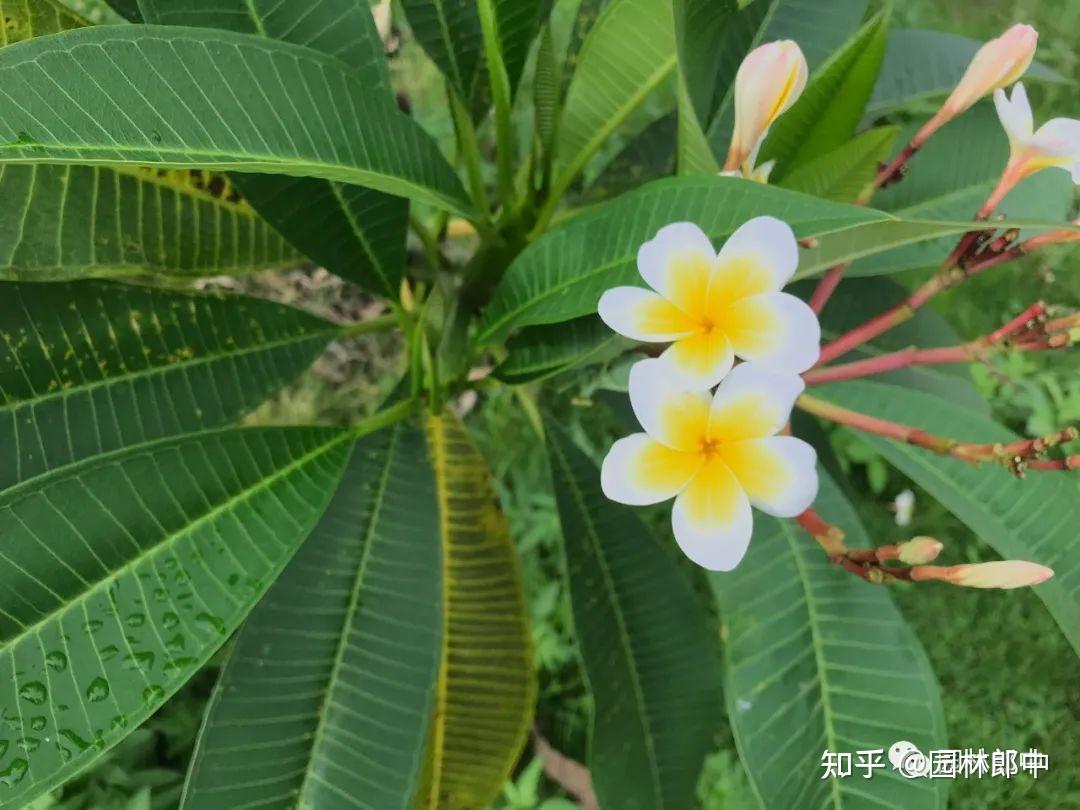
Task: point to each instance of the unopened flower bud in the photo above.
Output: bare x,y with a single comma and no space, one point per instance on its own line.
1000,574
770,79
919,551
997,64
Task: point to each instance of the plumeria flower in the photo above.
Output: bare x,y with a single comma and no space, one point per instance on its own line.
713,307
716,455
770,79
1055,143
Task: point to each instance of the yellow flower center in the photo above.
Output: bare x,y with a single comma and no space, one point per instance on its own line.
710,448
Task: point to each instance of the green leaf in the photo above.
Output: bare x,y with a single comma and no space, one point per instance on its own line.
818,660
562,275
585,16
628,53
89,367
122,574
540,352
336,666
922,63
647,156
449,32
487,685
1031,519
303,113
700,33
547,87
818,28
59,222
842,173
951,176
647,644
128,9
825,116
359,233
848,308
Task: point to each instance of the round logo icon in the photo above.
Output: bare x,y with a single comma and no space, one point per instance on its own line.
909,760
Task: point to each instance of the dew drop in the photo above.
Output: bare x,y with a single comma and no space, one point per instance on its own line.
92,626
143,661
136,620
34,692
14,773
56,661
170,620
153,694
211,621
118,722
98,690
28,744
109,652
38,723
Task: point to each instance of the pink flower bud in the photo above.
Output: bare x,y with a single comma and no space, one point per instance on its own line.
919,551
770,79
997,64
1001,574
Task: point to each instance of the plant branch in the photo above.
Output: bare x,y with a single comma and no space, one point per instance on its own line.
500,92
1012,455
386,417
470,153
383,323
1028,331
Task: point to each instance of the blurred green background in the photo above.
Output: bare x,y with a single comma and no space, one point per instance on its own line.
1008,676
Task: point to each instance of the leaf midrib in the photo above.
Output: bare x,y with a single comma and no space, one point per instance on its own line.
624,635
819,652
154,371
351,611
6,501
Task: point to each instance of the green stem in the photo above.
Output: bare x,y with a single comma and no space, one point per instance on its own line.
500,93
470,153
383,323
386,417
428,240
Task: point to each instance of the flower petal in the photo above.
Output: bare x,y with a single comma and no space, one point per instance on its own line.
1059,137
712,520
642,315
678,263
761,256
640,471
699,361
669,413
752,402
775,329
778,474
1015,115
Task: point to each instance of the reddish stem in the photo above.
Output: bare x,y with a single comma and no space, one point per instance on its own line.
964,353
826,287
1010,454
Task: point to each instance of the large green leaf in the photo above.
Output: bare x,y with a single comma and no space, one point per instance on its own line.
849,307
540,352
825,116
89,367
649,155
359,233
122,574
842,173
1030,519
449,32
927,63
819,29
73,221
700,34
486,686
158,97
129,9
647,645
628,53
818,660
335,669
951,176
562,275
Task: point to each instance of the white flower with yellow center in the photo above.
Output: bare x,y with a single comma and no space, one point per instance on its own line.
716,455
1055,144
712,308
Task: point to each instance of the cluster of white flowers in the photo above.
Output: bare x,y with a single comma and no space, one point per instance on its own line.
716,453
